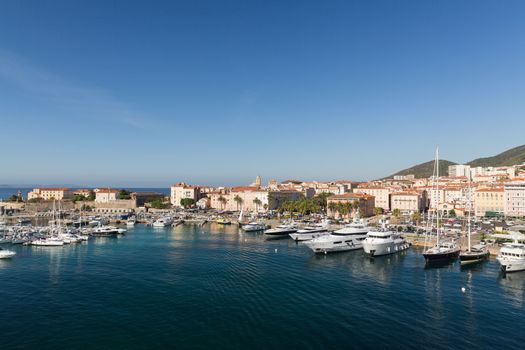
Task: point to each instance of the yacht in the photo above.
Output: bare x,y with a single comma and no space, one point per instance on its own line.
512,255
6,254
107,230
281,231
309,233
47,242
163,222
384,242
131,221
253,227
350,237
442,251
476,253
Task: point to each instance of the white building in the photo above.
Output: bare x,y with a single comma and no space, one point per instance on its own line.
458,170
104,195
181,191
381,194
49,193
514,197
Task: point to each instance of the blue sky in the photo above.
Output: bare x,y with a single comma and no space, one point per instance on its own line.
215,92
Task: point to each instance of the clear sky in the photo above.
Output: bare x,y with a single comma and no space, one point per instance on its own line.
146,93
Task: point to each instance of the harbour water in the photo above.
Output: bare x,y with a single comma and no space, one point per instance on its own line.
213,287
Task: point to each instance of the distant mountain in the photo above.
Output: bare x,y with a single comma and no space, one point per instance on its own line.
511,157
425,169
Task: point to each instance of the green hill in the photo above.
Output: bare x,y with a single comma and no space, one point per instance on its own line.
511,157
425,169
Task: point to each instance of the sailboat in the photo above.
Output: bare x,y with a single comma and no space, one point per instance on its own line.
442,251
476,253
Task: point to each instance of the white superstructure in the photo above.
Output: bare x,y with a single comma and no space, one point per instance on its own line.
384,243
350,237
512,255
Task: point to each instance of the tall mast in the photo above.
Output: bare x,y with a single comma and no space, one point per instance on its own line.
436,179
469,212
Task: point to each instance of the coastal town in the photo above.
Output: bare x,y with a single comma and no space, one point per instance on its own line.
497,192
469,204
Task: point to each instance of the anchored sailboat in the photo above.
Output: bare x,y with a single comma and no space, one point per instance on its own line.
442,251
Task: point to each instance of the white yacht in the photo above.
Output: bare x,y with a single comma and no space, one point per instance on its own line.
163,222
6,254
253,227
512,255
350,237
131,221
384,242
108,230
281,231
309,233
47,242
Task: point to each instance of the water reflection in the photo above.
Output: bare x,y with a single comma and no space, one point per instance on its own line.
514,286
360,266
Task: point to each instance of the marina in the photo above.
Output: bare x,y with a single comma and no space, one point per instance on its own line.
195,283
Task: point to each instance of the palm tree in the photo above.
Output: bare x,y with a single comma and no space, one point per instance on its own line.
356,206
257,203
223,201
396,213
342,208
378,211
238,200
416,216
332,206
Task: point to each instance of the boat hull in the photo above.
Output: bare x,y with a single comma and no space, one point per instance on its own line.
472,257
380,249
511,265
441,257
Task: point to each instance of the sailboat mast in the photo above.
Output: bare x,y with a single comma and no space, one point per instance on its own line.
469,212
436,179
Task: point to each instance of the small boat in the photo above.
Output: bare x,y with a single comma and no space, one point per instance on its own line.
131,221
6,254
253,227
163,222
223,221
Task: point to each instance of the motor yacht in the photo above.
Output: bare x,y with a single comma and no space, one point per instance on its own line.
131,221
512,255
6,254
309,233
281,231
384,242
107,230
253,227
48,242
163,222
350,237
